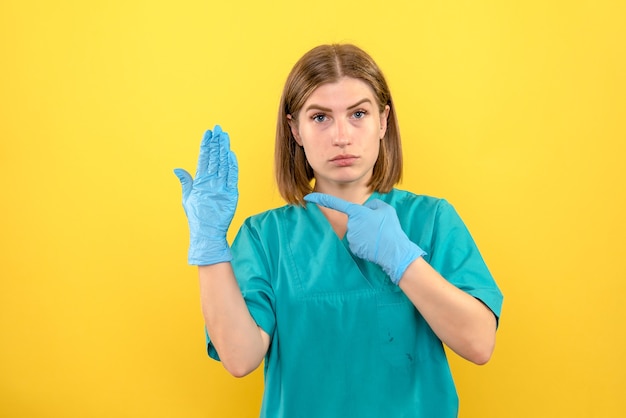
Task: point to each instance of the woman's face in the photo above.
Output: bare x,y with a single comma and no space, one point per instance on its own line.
340,128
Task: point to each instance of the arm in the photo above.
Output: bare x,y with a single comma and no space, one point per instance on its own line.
210,201
461,321
240,343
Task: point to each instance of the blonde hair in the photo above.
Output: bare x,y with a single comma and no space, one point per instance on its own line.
327,64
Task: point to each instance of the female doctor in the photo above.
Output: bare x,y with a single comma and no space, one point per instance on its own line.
349,291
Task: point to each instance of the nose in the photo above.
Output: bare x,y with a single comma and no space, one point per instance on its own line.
341,134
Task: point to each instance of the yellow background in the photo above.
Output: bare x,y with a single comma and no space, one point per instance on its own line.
513,111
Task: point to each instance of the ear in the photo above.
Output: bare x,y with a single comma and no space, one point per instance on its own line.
384,115
293,125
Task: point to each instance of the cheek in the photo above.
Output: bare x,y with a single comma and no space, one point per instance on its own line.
312,142
376,149
311,152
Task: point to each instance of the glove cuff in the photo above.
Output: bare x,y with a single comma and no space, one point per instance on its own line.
411,253
204,252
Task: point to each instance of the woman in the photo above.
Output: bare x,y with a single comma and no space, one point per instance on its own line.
348,291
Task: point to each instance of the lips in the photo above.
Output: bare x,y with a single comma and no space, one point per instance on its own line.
344,159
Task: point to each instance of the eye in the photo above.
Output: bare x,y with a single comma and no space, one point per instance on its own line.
319,117
359,114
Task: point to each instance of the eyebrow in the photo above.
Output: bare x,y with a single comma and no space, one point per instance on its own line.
325,109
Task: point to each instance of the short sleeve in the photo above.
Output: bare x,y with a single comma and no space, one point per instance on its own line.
456,257
253,276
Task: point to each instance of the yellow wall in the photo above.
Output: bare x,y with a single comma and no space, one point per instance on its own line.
513,111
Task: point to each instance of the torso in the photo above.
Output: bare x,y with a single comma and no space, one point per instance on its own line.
323,305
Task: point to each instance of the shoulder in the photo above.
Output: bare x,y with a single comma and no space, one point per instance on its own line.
268,233
403,200
422,212
272,217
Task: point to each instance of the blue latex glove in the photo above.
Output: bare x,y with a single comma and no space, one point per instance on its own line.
210,199
374,233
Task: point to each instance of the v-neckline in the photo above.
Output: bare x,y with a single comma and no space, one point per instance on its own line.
369,272
342,237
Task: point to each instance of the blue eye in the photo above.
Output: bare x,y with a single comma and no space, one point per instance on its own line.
359,114
320,117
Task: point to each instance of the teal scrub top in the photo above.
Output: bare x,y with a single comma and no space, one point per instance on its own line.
346,341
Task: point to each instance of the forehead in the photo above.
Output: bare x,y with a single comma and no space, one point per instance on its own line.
344,92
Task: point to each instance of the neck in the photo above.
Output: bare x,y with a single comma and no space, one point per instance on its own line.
351,194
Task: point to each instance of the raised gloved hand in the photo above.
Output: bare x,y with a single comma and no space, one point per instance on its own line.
210,199
374,233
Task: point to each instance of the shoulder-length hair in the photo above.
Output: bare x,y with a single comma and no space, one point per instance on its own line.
327,64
